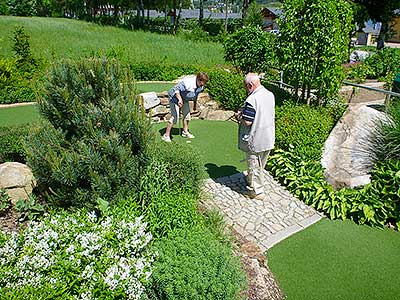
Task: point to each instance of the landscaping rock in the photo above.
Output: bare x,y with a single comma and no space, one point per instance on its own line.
149,99
17,179
219,115
344,160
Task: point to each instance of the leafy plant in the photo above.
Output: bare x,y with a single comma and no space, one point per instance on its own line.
171,211
376,204
5,202
193,264
29,209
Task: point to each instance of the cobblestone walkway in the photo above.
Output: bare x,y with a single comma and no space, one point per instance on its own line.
264,222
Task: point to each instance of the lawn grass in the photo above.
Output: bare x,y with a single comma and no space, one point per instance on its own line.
18,115
154,87
338,260
55,38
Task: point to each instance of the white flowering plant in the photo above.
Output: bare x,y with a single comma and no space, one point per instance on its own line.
77,256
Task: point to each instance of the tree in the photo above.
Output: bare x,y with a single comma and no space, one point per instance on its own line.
95,142
313,43
381,11
250,49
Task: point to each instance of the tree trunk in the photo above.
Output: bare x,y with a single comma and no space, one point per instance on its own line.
245,7
201,12
380,43
226,15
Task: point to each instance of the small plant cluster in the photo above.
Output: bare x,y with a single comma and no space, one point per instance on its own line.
76,256
5,202
382,65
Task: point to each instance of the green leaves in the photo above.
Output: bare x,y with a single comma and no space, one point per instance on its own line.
375,204
313,43
250,49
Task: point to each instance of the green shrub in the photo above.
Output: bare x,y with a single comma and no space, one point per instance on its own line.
76,255
383,65
171,211
11,143
171,168
226,87
20,76
250,49
304,127
193,264
16,85
96,143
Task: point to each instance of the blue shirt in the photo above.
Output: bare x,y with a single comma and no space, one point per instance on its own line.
187,89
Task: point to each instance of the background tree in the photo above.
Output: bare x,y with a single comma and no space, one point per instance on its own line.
381,11
313,43
250,49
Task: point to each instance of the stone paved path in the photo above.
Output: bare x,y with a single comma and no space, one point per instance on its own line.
265,222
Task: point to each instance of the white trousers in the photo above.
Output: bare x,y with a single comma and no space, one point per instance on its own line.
255,171
175,112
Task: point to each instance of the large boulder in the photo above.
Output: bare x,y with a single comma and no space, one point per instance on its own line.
17,179
344,159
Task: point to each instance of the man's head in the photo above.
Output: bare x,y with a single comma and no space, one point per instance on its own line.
251,82
201,79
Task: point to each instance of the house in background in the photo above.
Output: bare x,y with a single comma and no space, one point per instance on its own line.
395,28
270,16
367,35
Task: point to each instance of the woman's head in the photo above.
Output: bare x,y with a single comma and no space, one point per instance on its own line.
201,79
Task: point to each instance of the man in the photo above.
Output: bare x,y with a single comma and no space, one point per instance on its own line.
256,132
179,96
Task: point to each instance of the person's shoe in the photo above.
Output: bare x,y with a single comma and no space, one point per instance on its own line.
166,138
187,135
252,195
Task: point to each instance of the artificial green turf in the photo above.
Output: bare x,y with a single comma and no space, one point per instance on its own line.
18,115
217,142
338,260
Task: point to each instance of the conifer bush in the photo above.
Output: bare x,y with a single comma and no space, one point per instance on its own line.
95,145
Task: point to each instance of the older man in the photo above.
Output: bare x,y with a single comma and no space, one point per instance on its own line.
256,132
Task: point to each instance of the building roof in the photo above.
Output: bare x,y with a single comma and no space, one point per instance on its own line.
194,14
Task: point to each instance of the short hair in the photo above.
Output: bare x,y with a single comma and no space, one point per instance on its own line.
251,77
203,76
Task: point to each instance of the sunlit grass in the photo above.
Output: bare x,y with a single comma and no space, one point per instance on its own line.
66,38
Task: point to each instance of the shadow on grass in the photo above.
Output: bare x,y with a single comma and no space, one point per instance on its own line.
215,172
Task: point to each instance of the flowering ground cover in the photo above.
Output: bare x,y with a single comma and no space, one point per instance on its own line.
76,256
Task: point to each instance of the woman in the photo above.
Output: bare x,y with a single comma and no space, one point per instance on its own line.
179,96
